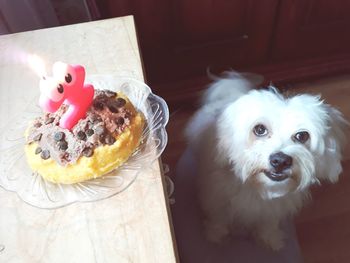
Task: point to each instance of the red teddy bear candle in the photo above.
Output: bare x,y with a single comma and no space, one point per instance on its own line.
66,86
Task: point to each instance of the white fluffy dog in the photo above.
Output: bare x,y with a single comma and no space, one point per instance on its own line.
258,153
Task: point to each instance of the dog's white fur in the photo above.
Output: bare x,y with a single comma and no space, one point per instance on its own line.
234,191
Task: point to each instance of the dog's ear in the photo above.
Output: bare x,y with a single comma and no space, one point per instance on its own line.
335,141
220,93
227,89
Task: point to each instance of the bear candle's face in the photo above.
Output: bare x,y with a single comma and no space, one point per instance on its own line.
52,89
66,86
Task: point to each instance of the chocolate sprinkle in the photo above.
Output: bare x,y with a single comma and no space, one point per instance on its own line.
119,121
45,154
120,102
102,138
112,108
101,98
62,145
89,132
81,135
109,139
115,104
37,137
49,120
59,136
98,105
88,152
106,118
38,150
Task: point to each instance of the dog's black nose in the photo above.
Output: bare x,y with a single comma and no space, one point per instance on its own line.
280,161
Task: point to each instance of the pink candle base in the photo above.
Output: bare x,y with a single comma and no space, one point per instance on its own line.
67,86
77,109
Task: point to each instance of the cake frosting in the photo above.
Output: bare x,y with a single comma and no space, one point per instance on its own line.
105,120
112,126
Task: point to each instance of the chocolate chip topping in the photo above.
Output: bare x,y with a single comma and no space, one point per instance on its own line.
102,138
109,139
113,108
37,137
119,121
89,132
98,105
81,135
63,145
49,120
120,102
88,152
59,136
45,154
38,150
115,105
100,127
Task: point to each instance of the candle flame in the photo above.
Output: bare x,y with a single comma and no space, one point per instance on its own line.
37,64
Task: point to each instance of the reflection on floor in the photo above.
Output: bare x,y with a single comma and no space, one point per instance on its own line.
323,226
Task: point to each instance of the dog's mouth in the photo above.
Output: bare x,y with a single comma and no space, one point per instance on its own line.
277,177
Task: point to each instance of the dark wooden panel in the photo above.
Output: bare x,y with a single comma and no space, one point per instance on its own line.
286,40
208,20
322,12
152,18
214,34
182,38
311,28
286,72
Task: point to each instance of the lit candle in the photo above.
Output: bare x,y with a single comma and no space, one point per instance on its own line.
66,86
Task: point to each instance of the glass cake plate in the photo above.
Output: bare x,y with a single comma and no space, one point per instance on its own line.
16,175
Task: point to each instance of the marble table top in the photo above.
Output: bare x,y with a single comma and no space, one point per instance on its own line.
132,226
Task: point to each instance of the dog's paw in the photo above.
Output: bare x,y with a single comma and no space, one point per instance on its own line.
271,238
215,233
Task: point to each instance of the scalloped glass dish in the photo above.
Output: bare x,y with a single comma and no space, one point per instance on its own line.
16,176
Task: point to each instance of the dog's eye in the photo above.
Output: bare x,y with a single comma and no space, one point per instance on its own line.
68,78
302,136
260,130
